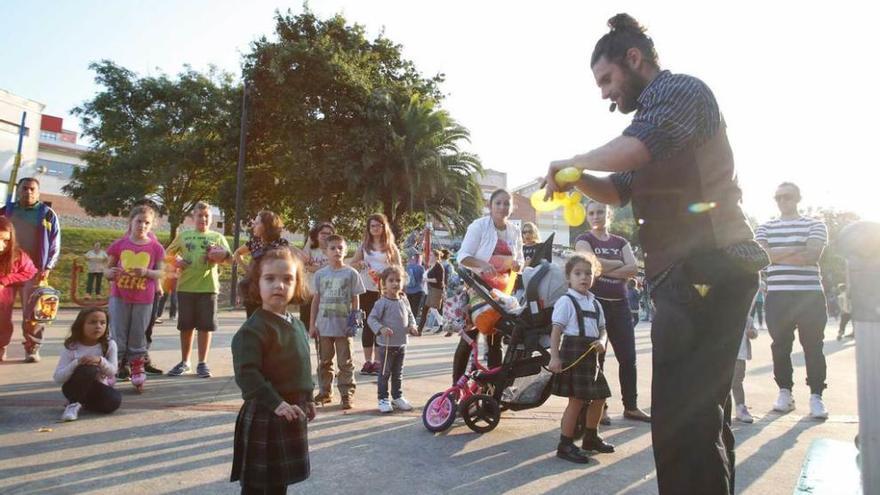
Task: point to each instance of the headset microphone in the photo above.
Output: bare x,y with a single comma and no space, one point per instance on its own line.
612,108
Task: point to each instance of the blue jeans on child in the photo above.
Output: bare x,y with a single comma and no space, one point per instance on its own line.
390,366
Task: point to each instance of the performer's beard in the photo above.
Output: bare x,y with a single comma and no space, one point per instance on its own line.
633,86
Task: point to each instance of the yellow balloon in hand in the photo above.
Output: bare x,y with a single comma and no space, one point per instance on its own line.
568,175
538,203
574,214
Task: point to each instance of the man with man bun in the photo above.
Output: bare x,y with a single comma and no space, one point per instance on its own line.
675,165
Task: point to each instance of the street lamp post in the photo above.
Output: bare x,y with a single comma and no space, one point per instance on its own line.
239,189
860,243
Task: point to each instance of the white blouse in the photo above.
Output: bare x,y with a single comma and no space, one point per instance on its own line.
482,237
565,315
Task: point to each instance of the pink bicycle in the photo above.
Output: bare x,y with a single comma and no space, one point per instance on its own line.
480,411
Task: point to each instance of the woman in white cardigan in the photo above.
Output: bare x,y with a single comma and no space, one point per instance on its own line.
492,247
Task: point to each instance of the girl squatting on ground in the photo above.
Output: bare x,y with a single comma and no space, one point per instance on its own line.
270,356
15,267
134,265
579,323
87,366
393,321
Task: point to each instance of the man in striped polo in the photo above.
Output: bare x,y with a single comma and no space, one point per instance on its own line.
795,299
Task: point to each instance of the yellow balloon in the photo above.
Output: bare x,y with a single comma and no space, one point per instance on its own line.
575,197
568,175
574,215
560,197
538,203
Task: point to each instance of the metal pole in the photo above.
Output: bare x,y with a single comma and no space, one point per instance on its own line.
860,242
13,176
239,189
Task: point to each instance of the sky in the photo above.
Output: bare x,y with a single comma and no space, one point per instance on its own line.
792,81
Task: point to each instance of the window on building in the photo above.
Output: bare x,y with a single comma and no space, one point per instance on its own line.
56,169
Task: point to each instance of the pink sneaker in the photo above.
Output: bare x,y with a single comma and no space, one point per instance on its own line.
138,375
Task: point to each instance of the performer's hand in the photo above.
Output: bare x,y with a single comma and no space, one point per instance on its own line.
310,411
115,272
752,333
414,331
600,349
550,184
555,365
386,332
313,332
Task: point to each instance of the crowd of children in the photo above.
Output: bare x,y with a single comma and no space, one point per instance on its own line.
271,349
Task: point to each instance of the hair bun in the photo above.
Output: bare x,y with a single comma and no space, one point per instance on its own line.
625,22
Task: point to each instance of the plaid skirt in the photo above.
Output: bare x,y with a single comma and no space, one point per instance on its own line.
269,450
585,380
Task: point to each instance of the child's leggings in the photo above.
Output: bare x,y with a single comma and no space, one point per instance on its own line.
739,374
83,387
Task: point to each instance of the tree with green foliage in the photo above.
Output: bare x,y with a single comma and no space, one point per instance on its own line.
335,133
172,139
421,168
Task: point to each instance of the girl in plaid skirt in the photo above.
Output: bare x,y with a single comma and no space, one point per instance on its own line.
270,355
579,323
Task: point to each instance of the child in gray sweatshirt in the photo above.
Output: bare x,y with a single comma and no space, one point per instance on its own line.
392,319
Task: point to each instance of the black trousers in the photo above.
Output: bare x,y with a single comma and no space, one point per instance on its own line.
804,311
463,354
696,339
93,283
619,325
83,387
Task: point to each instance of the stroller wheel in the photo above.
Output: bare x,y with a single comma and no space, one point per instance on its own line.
481,413
439,412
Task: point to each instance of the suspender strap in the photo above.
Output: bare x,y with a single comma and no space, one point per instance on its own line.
581,314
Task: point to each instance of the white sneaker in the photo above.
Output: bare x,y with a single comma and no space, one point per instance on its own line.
817,407
742,414
402,404
71,412
785,402
385,406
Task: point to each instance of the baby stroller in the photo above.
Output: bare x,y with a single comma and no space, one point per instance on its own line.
522,381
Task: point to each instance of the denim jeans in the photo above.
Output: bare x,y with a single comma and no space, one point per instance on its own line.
390,366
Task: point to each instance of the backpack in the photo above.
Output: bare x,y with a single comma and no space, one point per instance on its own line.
44,300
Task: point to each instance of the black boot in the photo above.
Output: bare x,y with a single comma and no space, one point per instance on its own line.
593,442
568,450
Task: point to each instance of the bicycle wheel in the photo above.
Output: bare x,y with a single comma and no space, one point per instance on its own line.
439,412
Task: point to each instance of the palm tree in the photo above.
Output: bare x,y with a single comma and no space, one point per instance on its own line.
422,166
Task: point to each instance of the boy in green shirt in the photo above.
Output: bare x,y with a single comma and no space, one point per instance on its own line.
199,252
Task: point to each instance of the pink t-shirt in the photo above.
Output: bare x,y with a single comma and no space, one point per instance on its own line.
128,255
